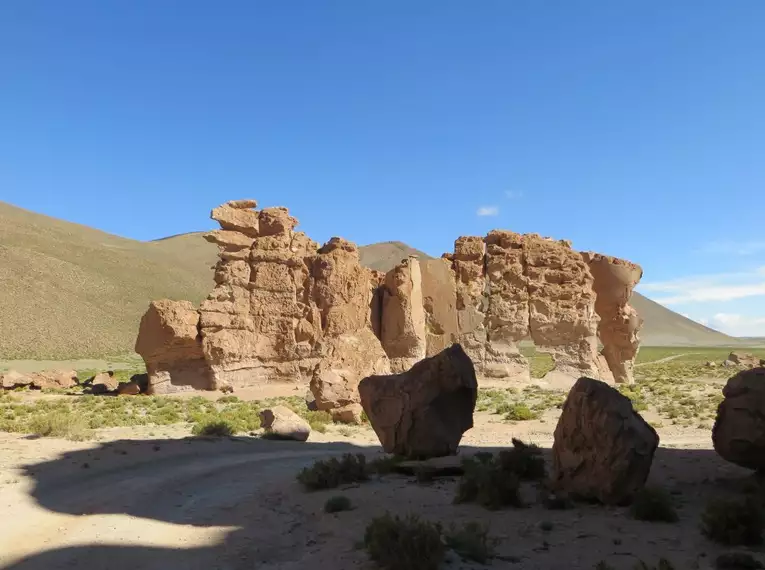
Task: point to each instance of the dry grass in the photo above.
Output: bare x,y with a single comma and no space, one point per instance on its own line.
45,417
70,291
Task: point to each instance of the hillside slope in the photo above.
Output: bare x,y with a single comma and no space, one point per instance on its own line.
69,291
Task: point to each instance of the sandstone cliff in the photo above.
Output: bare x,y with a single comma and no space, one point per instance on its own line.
285,309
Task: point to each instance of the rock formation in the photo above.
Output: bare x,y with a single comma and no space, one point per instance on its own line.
745,359
285,309
603,449
614,280
424,411
739,431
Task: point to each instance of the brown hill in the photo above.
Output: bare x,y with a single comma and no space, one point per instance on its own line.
68,290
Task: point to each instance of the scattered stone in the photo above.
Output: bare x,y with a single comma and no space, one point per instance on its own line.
603,449
128,388
744,359
104,383
282,423
52,379
710,364
13,379
423,412
738,433
728,363
350,414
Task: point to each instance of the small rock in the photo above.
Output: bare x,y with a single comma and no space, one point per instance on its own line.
104,382
128,389
350,414
282,423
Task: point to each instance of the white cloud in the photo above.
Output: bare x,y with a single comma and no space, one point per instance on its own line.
513,194
738,325
708,288
733,247
488,211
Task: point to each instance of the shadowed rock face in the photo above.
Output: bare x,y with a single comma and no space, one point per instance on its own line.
603,449
285,309
424,411
739,431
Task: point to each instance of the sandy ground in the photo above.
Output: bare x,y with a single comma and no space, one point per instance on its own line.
83,364
154,498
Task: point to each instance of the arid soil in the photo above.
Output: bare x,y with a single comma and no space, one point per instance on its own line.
156,498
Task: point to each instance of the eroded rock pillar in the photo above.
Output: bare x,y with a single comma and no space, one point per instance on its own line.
403,316
619,322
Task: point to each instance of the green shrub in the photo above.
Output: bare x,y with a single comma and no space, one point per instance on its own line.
337,503
214,428
330,473
733,522
653,504
60,423
520,413
488,485
737,561
524,460
385,465
471,542
404,543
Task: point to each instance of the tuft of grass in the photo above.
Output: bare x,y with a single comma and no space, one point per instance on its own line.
385,465
60,424
407,543
331,473
654,504
488,485
524,460
214,428
471,542
337,504
663,564
737,561
733,522
520,413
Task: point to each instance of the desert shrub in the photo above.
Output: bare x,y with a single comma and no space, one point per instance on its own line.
663,564
653,504
424,475
214,428
332,472
737,561
60,423
733,522
385,465
228,399
471,542
524,460
317,420
488,485
404,543
337,504
520,413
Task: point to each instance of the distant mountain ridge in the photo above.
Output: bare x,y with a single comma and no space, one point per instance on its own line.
69,291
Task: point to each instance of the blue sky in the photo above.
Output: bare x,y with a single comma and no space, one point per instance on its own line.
632,128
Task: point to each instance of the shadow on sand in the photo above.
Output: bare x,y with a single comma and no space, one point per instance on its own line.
248,486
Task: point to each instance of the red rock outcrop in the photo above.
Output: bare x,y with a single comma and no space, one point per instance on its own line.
282,309
285,309
170,344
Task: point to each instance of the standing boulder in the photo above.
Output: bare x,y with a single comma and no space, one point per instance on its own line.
603,449
282,423
739,431
424,411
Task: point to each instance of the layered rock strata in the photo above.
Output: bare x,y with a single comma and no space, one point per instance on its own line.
285,309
